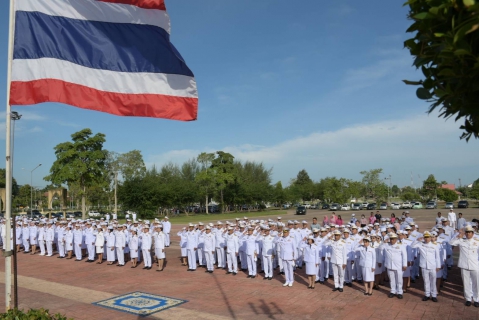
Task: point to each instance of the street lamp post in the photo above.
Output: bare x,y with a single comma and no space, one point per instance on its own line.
389,186
31,190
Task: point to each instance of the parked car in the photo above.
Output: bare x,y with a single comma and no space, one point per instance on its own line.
77,214
93,213
406,205
431,205
383,206
395,206
417,205
301,210
345,207
357,206
463,204
57,215
325,206
371,206
449,205
364,205
335,207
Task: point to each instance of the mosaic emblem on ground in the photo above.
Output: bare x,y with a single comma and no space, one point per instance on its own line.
140,303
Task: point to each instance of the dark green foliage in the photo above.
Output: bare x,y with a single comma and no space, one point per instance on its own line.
32,314
446,49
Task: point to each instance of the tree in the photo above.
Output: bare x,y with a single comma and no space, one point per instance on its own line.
447,195
408,196
429,187
446,48
374,186
303,186
81,161
3,174
395,190
204,178
224,172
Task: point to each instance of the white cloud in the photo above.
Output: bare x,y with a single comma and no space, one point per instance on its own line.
422,144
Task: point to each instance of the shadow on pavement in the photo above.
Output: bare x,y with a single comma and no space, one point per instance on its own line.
263,308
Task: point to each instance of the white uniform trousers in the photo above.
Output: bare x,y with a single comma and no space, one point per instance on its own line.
49,248
201,256
299,261
415,269
430,288
78,254
105,252
243,260
395,280
146,257
470,281
251,264
4,242
325,265
268,266
330,268
120,253
210,260
61,248
191,258
41,244
110,254
348,273
91,251
338,273
288,270
232,262
26,245
358,271
167,239
220,255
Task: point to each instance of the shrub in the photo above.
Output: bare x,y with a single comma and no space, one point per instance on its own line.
32,314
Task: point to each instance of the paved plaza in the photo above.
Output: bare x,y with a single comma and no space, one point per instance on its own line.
70,288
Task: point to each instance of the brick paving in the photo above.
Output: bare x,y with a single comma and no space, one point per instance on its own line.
69,287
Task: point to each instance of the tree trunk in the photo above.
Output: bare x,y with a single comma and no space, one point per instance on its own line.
116,199
222,204
206,204
83,204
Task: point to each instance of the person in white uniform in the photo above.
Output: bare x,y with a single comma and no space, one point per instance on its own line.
469,264
312,258
232,251
77,242
160,244
41,238
68,242
451,217
288,249
251,250
267,248
430,263
338,260
49,236
146,247
99,244
367,261
191,247
120,242
209,247
395,261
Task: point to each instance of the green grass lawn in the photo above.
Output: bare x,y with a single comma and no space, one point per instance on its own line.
223,217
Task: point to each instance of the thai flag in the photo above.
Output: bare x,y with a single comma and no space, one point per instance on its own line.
113,56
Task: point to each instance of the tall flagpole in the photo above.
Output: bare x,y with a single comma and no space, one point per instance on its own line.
8,167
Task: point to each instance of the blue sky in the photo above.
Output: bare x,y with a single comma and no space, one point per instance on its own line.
312,85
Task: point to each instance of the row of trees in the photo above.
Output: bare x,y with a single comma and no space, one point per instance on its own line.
98,177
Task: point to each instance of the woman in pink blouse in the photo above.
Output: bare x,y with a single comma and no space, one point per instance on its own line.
372,218
393,218
363,220
339,220
325,220
333,218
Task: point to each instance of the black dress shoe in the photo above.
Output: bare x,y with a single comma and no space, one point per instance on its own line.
270,278
413,281
476,304
235,273
321,282
400,296
249,276
468,303
229,272
252,277
145,267
434,299
350,284
335,289
425,298
207,271
265,278
391,295
340,289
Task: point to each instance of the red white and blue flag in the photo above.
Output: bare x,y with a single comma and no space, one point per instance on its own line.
113,56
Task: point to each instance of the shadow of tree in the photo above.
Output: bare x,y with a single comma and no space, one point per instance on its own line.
270,309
